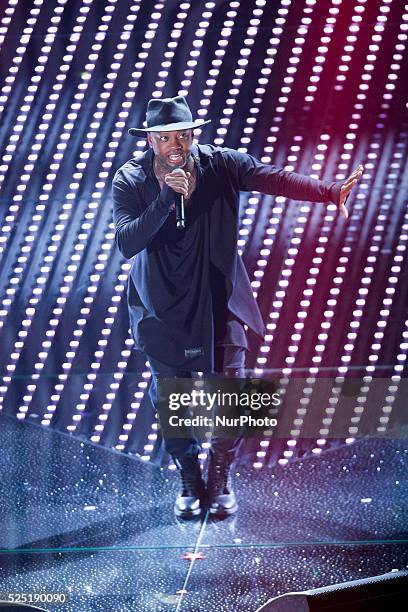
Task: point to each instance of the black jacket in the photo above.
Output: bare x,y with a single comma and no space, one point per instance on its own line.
170,295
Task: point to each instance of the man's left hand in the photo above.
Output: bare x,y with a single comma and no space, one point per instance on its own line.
347,187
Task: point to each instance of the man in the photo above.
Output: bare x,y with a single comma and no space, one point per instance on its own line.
189,294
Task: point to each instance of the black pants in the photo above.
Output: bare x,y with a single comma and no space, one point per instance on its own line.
229,362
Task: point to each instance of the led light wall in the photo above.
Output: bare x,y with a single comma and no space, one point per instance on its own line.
310,86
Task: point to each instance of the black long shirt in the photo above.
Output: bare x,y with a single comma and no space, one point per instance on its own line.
181,280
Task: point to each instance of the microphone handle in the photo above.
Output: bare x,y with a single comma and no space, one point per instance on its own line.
180,219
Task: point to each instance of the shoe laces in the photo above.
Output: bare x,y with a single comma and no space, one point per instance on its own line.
220,473
190,479
189,488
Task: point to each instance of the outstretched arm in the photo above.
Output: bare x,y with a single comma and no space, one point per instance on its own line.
253,175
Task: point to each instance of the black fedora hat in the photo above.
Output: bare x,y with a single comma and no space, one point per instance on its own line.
167,115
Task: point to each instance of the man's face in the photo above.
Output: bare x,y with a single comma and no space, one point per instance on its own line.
171,148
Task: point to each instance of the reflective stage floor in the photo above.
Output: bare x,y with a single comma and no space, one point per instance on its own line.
83,520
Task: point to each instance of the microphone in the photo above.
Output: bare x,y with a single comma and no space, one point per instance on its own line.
180,218
179,201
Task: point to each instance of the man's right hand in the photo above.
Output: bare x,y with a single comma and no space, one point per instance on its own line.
178,181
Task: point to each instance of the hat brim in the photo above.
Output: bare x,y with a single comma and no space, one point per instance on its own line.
170,127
